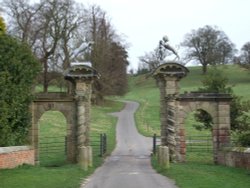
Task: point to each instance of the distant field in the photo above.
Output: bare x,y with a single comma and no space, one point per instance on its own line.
239,80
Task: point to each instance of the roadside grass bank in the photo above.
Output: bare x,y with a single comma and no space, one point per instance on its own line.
203,175
55,172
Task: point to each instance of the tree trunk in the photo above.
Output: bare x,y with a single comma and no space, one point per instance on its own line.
45,77
204,68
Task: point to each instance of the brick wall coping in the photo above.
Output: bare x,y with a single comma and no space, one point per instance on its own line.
14,149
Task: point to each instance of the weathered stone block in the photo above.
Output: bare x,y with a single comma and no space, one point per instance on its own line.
163,157
83,157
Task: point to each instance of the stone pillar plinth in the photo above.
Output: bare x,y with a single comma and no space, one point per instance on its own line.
85,157
163,157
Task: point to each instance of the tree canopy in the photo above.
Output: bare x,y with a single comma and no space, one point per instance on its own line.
208,46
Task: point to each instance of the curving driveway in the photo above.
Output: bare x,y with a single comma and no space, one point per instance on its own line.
129,165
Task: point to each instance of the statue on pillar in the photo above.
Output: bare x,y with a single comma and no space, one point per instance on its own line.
76,55
163,46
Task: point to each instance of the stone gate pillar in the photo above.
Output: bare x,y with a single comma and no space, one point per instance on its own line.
82,76
168,76
222,127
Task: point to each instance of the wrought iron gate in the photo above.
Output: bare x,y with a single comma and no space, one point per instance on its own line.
53,150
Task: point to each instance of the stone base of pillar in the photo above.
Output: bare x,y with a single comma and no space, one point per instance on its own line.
163,157
85,157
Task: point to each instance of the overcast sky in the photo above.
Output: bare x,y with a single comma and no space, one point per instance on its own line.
144,22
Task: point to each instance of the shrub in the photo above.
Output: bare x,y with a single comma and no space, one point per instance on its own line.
18,69
244,139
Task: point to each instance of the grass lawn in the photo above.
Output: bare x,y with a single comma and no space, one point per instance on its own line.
52,134
68,176
62,174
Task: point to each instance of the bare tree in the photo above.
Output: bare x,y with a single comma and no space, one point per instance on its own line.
55,28
151,59
23,18
208,46
47,27
49,36
70,38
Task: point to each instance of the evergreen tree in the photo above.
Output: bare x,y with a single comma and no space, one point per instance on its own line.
18,69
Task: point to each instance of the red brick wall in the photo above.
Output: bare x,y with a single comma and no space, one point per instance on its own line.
11,157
